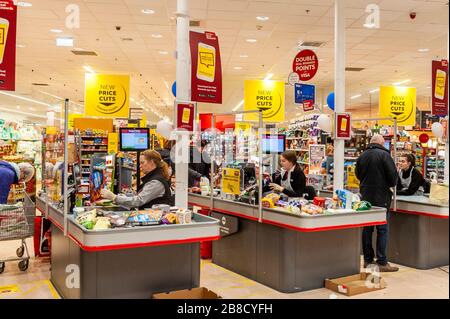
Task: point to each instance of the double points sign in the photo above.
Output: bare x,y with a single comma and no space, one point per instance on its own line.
305,65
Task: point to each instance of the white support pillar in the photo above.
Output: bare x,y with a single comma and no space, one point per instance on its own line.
339,88
446,162
183,76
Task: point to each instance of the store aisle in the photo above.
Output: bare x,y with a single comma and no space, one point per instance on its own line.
407,283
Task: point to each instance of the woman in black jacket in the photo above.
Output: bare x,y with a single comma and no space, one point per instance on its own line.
291,181
410,179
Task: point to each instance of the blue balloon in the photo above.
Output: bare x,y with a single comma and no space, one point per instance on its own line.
330,100
174,88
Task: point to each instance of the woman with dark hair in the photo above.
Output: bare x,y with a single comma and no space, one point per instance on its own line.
291,181
410,179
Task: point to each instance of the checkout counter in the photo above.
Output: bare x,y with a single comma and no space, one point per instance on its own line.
418,232
133,262
285,251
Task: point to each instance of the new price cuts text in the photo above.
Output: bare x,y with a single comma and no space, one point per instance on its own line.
264,99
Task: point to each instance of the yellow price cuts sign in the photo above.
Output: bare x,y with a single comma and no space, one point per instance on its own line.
398,102
206,69
243,127
268,96
352,181
231,181
107,95
113,143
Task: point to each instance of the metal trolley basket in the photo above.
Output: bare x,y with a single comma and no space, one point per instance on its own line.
17,223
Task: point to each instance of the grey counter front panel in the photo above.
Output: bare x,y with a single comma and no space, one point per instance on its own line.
418,233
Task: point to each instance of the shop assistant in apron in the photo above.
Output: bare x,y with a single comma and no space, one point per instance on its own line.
292,180
410,181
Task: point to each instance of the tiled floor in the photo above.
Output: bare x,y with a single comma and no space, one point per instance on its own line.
407,283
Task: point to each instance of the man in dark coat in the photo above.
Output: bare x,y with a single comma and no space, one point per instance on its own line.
377,173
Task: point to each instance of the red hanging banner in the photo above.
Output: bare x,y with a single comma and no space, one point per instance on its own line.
439,87
343,126
206,74
8,21
185,116
305,64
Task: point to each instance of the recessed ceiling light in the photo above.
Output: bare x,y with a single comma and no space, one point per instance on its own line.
87,68
401,82
64,42
157,36
262,18
251,40
244,56
423,50
24,4
18,107
163,52
31,108
148,11
238,68
268,76
56,30
20,46
428,87
369,25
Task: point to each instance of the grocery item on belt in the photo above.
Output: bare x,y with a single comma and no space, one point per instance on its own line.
293,209
267,203
362,206
184,216
312,209
170,218
163,208
86,217
345,198
102,223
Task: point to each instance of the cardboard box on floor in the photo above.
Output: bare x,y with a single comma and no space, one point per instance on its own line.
356,284
195,293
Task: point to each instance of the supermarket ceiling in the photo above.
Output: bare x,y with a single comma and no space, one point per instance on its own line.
401,49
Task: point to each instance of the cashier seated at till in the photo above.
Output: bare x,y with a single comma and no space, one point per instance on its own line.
154,188
410,181
291,181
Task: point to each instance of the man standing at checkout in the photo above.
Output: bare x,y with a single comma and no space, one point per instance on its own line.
377,173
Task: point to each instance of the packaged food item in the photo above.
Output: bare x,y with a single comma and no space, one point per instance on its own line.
282,203
312,209
184,216
116,220
89,224
102,223
293,209
319,201
86,217
362,206
267,203
345,198
274,197
170,218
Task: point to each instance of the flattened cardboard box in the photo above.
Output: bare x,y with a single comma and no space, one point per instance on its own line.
356,284
195,293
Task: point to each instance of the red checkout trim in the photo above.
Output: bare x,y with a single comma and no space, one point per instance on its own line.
136,245
201,206
404,211
327,228
306,230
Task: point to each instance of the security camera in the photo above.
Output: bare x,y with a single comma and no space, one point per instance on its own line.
118,28
412,15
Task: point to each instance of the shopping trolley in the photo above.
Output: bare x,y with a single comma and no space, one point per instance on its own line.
17,223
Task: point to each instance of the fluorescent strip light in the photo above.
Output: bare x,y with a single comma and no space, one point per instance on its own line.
64,42
22,113
374,90
238,106
401,82
268,76
355,96
56,30
252,40
60,98
24,4
87,68
24,98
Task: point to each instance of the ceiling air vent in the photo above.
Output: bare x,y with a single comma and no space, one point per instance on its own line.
40,84
127,39
194,23
84,52
316,44
354,69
